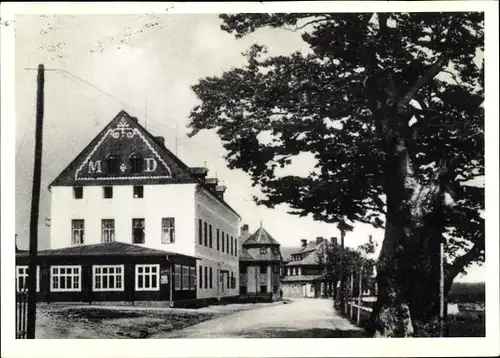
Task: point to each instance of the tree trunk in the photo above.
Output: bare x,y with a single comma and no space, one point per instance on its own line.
408,266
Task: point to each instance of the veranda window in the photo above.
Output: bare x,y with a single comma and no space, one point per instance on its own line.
147,277
65,278
108,278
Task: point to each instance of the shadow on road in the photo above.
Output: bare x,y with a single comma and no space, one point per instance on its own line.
304,333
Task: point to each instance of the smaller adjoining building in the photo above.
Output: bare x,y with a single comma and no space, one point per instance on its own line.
305,270
259,261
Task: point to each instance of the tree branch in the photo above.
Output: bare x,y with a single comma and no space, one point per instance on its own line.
429,75
297,28
461,262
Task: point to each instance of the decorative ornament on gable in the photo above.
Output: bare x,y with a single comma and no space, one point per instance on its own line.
122,129
123,167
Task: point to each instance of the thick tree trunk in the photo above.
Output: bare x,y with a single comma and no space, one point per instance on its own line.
408,265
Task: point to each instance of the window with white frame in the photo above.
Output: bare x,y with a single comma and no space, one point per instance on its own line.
177,284
167,230
108,230
65,278
108,278
147,277
77,231
185,278
192,279
22,278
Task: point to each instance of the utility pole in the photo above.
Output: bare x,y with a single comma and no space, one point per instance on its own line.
35,204
441,290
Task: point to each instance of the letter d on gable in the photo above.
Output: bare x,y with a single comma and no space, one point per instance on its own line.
151,165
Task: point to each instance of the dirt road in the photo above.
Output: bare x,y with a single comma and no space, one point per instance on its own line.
302,318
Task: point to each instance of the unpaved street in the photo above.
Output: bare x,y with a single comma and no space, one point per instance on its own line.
302,318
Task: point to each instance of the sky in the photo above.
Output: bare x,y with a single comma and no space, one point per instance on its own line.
145,65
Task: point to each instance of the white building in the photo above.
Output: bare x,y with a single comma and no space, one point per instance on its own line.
127,187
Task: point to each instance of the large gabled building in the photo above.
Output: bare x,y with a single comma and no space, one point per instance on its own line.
130,219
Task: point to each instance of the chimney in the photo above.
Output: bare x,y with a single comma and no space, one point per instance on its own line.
334,241
135,119
244,231
303,242
211,183
319,240
160,140
199,172
219,190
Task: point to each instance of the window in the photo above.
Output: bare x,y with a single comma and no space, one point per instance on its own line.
236,247
78,192
243,290
77,231
275,268
223,241
263,289
275,251
227,243
206,277
138,191
201,276
299,271
107,192
232,250
22,278
200,232
233,281
192,280
263,268
289,272
218,240
65,278
263,250
135,161
108,230
167,230
211,278
210,236
228,281
185,277
243,269
177,278
138,231
275,289
112,164
147,277
108,278
205,227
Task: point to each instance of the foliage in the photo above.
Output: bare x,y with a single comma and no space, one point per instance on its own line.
321,103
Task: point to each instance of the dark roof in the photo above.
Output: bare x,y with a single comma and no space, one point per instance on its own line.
286,252
181,171
245,256
261,237
106,249
311,258
303,278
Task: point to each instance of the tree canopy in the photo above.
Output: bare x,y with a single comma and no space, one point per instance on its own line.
321,102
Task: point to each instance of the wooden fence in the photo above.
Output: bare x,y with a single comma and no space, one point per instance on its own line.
21,314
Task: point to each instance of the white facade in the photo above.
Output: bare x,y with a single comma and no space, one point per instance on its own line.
223,265
179,201
159,201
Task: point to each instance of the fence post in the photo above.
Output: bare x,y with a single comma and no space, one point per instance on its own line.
358,319
351,296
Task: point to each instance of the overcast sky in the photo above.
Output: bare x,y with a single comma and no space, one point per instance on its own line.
144,61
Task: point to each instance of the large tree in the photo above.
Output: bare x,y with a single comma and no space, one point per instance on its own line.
390,105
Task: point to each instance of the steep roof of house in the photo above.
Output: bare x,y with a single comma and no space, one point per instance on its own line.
170,169
245,256
286,252
302,278
310,259
261,237
104,249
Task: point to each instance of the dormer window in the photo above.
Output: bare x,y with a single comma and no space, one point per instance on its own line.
77,192
112,164
135,161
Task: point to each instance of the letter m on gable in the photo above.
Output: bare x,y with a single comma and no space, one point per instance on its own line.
95,167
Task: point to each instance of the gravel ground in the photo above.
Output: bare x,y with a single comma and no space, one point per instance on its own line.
302,318
84,321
